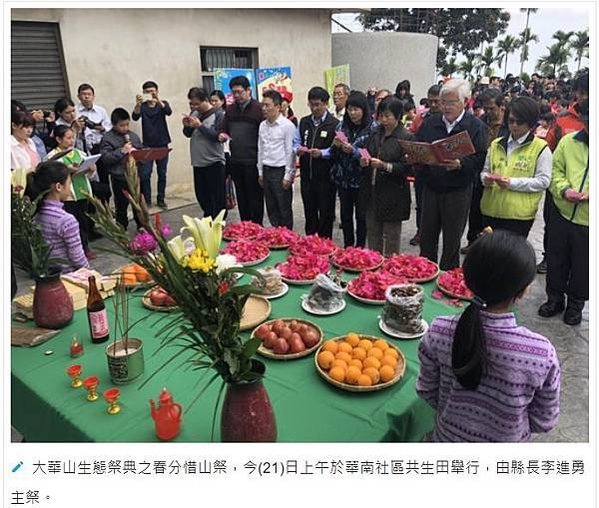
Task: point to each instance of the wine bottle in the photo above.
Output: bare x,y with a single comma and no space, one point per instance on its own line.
96,314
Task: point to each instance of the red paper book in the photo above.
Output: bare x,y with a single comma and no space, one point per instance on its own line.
150,154
340,135
449,148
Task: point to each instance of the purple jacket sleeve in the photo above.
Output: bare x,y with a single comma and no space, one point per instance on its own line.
69,232
427,384
543,411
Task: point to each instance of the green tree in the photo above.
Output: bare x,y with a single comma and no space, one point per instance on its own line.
526,37
488,58
466,67
524,42
449,67
458,30
556,60
580,45
509,44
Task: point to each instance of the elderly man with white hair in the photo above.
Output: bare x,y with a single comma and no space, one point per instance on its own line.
448,187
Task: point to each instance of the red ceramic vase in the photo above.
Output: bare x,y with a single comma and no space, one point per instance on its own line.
247,415
52,304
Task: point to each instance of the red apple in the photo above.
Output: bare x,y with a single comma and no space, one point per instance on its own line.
281,347
310,338
296,345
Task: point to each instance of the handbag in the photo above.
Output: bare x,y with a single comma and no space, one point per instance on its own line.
230,200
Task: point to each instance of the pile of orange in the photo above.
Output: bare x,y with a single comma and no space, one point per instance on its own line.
359,361
135,274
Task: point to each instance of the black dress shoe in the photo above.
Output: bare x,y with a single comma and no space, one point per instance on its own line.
572,316
551,308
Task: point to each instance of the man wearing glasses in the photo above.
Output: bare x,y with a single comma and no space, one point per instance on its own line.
448,187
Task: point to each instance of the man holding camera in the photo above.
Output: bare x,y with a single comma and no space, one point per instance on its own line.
96,121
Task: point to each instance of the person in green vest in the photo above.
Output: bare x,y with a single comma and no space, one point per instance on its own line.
516,172
80,184
568,226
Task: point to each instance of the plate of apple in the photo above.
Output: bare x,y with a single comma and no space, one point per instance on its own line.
159,299
288,338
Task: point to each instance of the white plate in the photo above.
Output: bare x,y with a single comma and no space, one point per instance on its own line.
284,290
298,282
317,312
400,335
256,262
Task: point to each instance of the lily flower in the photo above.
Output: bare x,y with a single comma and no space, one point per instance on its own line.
207,233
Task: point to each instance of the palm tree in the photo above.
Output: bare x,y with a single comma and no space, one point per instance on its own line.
525,42
449,67
580,45
562,38
505,46
488,58
526,37
555,60
466,67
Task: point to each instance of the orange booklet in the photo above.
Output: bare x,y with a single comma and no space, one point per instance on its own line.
150,154
433,154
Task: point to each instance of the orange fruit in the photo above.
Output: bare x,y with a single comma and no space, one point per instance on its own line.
356,363
339,363
141,273
365,344
371,361
331,345
381,344
376,353
364,380
129,279
353,339
373,374
390,361
342,355
392,352
345,347
387,373
359,353
352,375
325,358
338,374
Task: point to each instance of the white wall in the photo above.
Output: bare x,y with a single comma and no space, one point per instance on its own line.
116,50
384,59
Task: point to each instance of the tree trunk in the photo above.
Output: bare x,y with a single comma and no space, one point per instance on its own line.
525,42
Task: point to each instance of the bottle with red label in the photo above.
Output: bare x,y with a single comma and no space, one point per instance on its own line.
96,314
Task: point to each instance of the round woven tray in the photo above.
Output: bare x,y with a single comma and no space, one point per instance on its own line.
449,293
426,279
146,302
356,270
256,310
401,369
268,353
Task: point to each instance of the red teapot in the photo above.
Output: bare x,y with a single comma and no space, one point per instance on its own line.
167,416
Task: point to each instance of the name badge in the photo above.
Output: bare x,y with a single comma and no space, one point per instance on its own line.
323,134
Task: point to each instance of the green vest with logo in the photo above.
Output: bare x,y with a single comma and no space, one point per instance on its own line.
522,163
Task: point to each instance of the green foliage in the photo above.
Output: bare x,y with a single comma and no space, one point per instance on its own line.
509,44
460,30
580,45
555,61
206,328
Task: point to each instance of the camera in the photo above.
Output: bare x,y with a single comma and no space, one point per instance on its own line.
46,113
88,123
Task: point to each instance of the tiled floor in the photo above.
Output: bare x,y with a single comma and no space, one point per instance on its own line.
572,343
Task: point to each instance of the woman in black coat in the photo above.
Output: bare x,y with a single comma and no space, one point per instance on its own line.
385,189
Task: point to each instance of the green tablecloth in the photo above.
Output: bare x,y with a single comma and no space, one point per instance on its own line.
307,408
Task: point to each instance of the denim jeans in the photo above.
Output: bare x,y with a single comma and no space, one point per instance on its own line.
146,179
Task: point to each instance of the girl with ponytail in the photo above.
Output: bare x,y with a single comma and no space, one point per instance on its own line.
52,181
488,378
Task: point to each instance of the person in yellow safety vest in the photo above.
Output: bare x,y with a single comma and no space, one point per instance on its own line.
517,171
568,226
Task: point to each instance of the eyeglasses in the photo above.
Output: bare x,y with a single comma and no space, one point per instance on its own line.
450,103
512,120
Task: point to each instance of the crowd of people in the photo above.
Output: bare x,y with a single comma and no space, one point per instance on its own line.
530,142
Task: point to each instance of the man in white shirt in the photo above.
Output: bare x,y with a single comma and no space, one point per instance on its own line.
95,115
340,96
276,160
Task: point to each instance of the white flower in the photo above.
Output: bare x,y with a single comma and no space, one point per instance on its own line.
225,261
207,233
